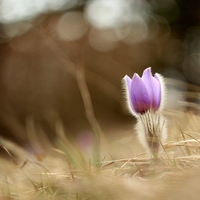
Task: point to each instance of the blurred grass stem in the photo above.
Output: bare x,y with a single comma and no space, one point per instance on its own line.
77,71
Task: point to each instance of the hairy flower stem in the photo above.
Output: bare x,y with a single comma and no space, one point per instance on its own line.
152,132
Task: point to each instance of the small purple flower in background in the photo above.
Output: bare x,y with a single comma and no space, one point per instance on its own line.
145,93
145,99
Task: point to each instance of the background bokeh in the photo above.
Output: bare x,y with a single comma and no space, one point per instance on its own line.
43,43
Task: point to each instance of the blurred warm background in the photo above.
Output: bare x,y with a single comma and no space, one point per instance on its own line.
45,45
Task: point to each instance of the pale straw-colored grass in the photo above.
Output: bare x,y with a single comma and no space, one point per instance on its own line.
64,171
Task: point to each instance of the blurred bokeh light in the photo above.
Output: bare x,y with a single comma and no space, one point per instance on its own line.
72,26
19,10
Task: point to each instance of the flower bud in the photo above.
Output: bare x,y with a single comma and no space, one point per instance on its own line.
145,99
144,93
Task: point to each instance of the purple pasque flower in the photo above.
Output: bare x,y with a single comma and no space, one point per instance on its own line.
144,93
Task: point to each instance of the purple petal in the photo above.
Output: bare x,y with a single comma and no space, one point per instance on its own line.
127,81
153,87
158,77
139,96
